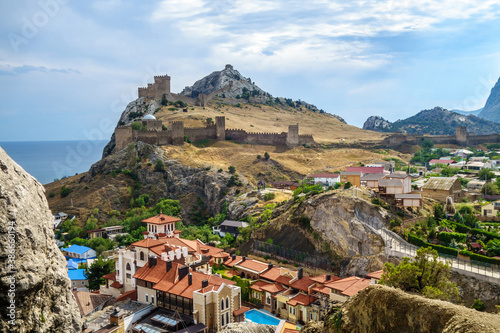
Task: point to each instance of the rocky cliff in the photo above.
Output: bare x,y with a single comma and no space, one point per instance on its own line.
383,309
491,110
436,121
38,280
331,225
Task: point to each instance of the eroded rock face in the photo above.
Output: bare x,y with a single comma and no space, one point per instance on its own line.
248,328
43,298
382,309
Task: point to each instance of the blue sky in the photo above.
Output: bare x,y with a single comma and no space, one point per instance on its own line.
68,68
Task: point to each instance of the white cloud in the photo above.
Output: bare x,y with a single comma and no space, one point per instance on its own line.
178,10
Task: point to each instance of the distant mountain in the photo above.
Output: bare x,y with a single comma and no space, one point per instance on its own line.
437,121
468,113
491,110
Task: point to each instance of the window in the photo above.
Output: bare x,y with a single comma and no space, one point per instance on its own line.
227,317
290,309
268,300
222,304
223,320
147,298
128,267
152,299
74,283
83,282
141,255
129,276
227,302
311,316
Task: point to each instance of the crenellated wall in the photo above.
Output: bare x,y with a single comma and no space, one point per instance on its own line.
176,133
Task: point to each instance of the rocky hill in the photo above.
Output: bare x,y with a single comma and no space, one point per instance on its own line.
436,121
468,113
491,110
42,293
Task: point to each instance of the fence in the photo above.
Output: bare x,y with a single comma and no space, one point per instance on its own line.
397,246
282,253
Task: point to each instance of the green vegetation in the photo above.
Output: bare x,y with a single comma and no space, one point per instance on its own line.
424,274
478,305
65,191
266,156
96,271
159,166
232,169
269,196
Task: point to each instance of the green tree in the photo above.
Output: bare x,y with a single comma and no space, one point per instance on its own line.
426,143
160,166
266,156
439,212
347,185
493,247
97,270
424,274
485,174
65,191
490,188
478,305
232,169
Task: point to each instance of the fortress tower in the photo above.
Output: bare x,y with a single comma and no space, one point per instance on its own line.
161,87
461,135
220,128
292,138
177,132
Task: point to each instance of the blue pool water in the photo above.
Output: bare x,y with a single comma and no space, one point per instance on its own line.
259,317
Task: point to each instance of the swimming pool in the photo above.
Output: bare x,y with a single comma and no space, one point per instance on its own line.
260,317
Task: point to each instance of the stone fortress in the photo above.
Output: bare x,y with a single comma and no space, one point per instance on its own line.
461,138
153,132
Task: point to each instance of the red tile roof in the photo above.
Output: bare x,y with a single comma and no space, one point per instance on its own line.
254,265
273,288
87,301
303,284
375,275
240,311
322,278
324,175
131,294
230,262
147,243
438,161
155,273
116,285
349,286
161,219
258,285
301,299
274,274
476,246
110,276
321,289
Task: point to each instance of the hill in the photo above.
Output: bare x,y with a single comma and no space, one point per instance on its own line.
436,121
468,113
491,110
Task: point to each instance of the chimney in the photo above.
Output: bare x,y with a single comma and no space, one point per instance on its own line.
169,266
155,261
270,265
244,258
233,257
300,274
204,283
190,279
183,271
328,277
150,262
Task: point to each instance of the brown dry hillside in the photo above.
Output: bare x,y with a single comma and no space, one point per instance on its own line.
263,118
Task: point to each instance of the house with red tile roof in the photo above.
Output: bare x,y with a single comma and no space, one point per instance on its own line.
161,224
375,276
341,290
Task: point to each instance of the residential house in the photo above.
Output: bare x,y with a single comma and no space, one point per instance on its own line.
110,232
78,278
475,185
285,185
375,276
80,252
477,165
229,226
371,180
413,200
341,290
404,177
491,209
438,161
250,268
390,187
439,188
326,179
161,225
59,218
89,303
365,169
354,177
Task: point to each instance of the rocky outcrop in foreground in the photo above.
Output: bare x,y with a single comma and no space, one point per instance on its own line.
383,309
248,328
37,280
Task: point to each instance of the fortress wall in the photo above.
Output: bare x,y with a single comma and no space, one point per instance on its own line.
164,138
236,135
200,133
150,137
267,138
306,139
153,125
185,99
146,92
479,139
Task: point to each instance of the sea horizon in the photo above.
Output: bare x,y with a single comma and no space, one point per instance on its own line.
51,160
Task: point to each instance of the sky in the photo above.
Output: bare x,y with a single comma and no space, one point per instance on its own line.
68,68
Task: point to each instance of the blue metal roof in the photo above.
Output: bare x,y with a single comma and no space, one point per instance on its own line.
77,249
77,274
72,264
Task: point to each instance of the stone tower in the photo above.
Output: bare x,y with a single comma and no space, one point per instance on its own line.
161,87
177,128
292,138
220,128
461,135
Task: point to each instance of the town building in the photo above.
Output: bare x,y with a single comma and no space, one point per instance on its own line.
439,188
78,279
229,226
325,179
491,209
410,200
89,303
80,252
353,177
109,232
371,180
